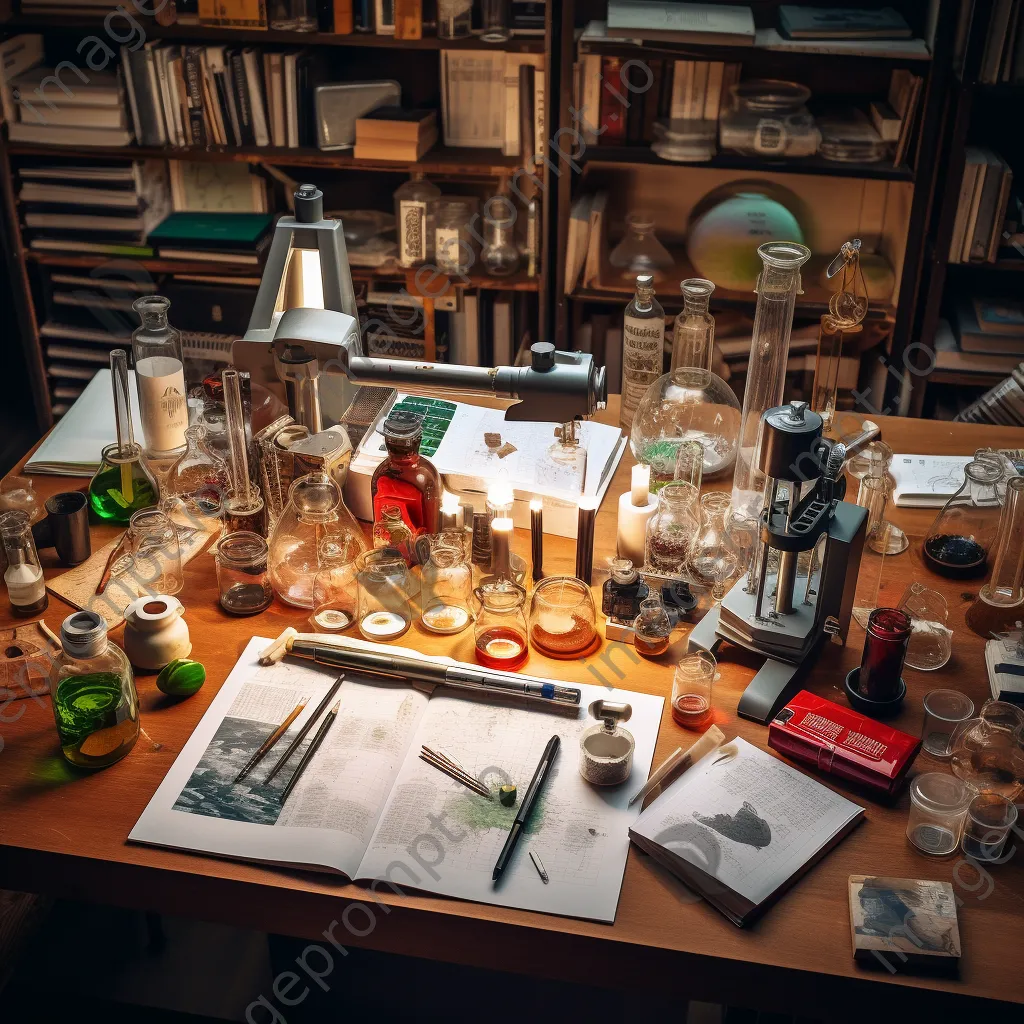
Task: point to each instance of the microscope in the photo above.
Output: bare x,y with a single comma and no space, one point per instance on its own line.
805,529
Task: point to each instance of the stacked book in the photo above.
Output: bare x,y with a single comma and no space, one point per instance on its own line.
990,327
391,133
1003,57
214,238
981,207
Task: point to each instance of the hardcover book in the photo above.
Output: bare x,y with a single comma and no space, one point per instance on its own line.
798,22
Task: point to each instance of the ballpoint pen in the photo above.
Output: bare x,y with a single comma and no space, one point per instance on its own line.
267,745
311,750
546,761
304,731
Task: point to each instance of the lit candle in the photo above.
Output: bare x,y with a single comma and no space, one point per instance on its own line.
636,506
537,538
641,484
501,547
449,512
585,538
500,497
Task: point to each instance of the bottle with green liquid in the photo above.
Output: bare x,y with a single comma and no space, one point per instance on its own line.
95,704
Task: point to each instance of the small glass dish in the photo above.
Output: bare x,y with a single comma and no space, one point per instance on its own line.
848,136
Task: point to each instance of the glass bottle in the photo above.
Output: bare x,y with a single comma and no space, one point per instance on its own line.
159,377
960,539
446,586
392,531
693,337
243,573
335,601
415,205
500,631
643,347
199,477
315,511
713,559
454,19
672,531
95,704
873,464
495,16
640,252
384,589
563,619
885,647
23,576
565,468
999,604
499,253
122,485
405,478
453,240
652,628
777,289
623,591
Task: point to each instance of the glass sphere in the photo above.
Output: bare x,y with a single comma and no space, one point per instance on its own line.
688,404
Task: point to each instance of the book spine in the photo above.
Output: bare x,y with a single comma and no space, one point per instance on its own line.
613,109
133,103
241,91
194,94
154,116
408,19
343,17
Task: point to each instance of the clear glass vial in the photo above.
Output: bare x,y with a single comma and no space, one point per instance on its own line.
23,577
643,348
95,704
693,336
415,210
159,377
243,574
446,586
500,253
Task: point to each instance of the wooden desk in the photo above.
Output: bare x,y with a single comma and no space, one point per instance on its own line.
63,832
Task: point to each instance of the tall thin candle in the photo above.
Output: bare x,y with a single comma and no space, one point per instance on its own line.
537,538
501,547
585,538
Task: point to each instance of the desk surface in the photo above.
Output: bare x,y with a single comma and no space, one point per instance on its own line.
64,832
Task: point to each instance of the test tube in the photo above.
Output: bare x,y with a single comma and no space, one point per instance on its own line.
236,437
122,417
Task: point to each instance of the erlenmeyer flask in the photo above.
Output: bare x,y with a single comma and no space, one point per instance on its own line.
713,557
1001,601
640,252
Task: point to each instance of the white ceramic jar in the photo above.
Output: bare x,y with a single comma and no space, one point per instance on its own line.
155,632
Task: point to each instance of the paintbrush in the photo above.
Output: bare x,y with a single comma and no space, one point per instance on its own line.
445,765
295,743
268,744
678,760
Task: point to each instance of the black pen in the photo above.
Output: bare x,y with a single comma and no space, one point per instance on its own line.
310,722
547,759
311,750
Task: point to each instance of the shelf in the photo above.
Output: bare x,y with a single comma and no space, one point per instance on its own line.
1008,265
252,36
640,154
456,163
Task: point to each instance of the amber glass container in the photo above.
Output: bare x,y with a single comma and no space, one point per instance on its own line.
405,478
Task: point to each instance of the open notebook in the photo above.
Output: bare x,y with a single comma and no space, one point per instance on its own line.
741,826
369,808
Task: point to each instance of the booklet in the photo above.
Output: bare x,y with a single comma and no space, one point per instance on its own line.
369,808
741,826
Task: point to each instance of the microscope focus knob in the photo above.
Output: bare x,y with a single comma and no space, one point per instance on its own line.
542,356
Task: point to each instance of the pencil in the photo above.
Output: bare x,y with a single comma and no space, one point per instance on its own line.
311,750
304,731
268,744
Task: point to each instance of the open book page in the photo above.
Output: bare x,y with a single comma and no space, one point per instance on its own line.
439,836
749,820
333,809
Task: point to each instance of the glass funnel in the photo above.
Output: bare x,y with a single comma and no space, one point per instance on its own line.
199,477
961,538
686,405
315,512
999,604
988,751
777,288
640,252
714,559
693,336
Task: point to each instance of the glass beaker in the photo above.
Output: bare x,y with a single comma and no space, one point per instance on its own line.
495,18
500,631
23,575
777,289
159,377
643,348
873,494
944,710
713,558
961,538
156,553
931,640
454,253
199,477
691,689
988,750
990,818
689,468
385,589
873,465
672,531
335,600
640,252
938,806
652,628
999,604
243,575
693,335
499,253
446,586
563,618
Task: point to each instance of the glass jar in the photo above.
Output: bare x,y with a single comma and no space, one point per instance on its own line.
446,586
990,818
454,253
500,631
405,478
243,575
960,539
672,530
500,254
563,619
693,336
714,559
938,806
199,478
415,210
26,588
640,252
691,689
652,628
392,531
769,118
384,589
495,18
944,710
335,601
156,552
988,751
885,646
159,377
623,591
454,19
95,705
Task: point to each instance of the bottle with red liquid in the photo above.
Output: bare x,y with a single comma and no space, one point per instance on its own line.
500,630
405,478
885,648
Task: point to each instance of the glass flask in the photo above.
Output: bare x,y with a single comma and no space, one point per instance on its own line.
672,531
392,531
1007,468
640,252
623,591
335,600
873,465
938,806
405,478
415,210
873,459
988,751
563,618
713,558
689,467
454,19
454,252
244,509
495,18
693,336
446,586
384,588
565,468
931,640
123,484
848,305
686,405
156,552
315,511
961,538
95,704
243,573
500,631
643,347
23,576
998,605
159,377
652,628
499,253
777,289
199,477
691,689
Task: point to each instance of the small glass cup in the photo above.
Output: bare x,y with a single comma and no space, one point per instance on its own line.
938,807
242,573
931,640
987,826
691,689
563,618
944,710
156,553
500,632
384,591
495,16
334,588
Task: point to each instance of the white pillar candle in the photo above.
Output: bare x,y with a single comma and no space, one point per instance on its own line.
641,485
632,527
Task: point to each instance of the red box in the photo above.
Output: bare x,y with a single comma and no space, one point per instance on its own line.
838,741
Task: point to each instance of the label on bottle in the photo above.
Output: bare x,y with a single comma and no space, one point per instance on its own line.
446,247
643,348
162,405
412,232
25,584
